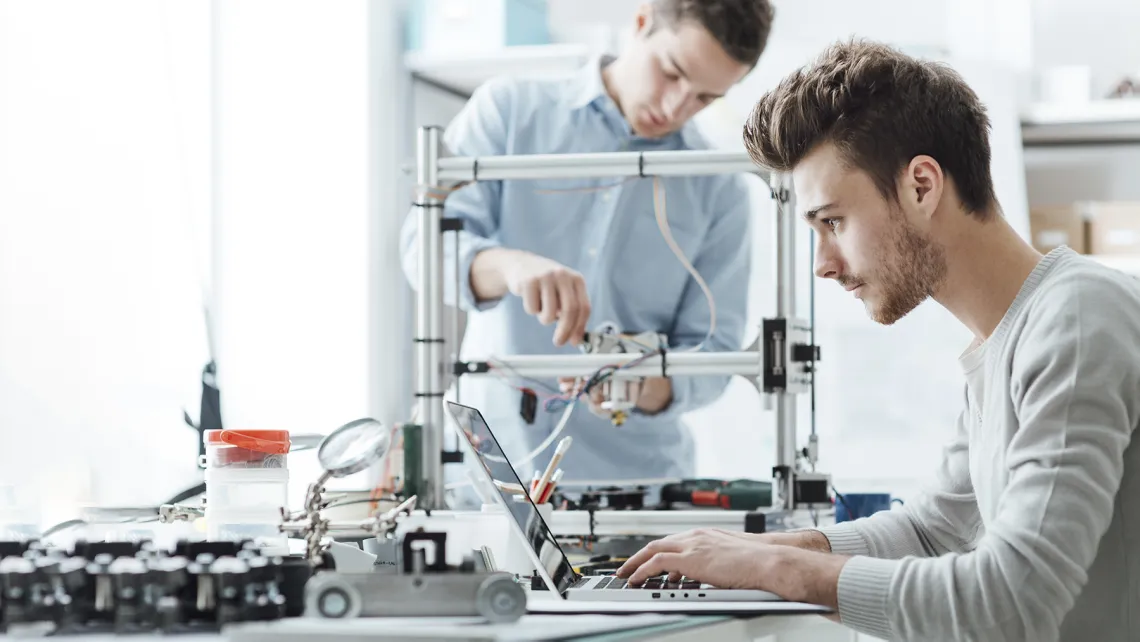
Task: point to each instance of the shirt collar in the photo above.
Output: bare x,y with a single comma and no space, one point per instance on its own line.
588,82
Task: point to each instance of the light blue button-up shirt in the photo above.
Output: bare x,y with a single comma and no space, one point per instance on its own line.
611,237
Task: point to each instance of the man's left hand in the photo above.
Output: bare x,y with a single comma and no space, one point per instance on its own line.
731,561
653,395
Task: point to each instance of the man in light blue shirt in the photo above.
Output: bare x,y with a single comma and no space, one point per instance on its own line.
543,261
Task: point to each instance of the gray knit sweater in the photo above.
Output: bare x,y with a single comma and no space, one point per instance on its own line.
1032,529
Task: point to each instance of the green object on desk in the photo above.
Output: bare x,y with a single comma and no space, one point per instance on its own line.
737,494
413,461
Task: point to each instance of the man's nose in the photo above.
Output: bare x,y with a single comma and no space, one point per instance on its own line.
826,262
673,104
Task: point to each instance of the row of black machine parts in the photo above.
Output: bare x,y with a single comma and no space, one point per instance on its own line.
133,587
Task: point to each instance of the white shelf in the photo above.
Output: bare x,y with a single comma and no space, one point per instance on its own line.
462,73
1096,111
1093,122
1127,263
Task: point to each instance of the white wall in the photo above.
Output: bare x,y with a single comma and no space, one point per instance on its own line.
308,334
103,217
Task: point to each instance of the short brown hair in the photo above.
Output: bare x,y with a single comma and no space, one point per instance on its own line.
741,27
880,108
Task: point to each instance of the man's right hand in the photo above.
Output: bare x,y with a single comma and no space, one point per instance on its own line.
549,290
811,540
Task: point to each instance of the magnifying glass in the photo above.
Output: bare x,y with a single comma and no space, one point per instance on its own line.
352,448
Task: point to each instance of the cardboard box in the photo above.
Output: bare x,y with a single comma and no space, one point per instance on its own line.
1052,226
1114,228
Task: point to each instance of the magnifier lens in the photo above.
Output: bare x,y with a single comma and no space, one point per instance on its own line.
353,447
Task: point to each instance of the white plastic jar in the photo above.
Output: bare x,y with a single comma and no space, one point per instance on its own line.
247,485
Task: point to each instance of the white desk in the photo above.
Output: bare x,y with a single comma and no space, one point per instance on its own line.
593,628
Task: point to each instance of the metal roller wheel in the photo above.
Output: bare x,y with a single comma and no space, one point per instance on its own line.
500,599
328,596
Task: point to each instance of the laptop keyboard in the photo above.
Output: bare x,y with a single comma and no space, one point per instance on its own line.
655,583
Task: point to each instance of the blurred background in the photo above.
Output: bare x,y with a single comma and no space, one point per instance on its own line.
188,184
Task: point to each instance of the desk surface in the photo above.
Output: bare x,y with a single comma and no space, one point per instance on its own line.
590,628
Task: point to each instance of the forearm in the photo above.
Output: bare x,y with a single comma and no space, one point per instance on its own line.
809,540
487,280
885,535
470,244
800,575
656,395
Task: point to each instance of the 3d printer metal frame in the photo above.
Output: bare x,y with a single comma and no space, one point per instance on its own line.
780,363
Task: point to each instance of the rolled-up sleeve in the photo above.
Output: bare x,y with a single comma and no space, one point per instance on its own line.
480,129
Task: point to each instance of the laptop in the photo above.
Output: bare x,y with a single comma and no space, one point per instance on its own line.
490,465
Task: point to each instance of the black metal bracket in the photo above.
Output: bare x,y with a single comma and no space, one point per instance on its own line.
438,542
460,368
805,353
780,472
450,224
789,356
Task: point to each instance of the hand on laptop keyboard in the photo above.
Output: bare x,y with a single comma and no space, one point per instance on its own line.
661,582
729,561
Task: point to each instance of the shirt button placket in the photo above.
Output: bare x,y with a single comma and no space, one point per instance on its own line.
596,252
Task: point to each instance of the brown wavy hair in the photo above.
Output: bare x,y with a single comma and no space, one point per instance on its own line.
741,27
880,108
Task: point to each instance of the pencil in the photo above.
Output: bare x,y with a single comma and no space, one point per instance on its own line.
510,488
559,452
549,492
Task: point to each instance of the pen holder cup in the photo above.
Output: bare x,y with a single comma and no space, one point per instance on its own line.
512,553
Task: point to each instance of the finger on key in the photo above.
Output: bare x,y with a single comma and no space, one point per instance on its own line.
641,557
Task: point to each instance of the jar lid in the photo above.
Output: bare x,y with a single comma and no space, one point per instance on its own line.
273,442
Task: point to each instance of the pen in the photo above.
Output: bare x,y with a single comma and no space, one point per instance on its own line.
534,483
563,446
510,488
549,492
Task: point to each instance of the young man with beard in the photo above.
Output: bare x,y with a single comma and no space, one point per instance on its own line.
1031,531
543,261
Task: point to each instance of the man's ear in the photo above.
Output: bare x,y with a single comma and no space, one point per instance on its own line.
922,184
643,20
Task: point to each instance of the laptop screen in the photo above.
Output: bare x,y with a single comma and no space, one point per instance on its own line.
474,428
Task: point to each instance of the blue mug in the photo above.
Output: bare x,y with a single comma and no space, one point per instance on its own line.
855,505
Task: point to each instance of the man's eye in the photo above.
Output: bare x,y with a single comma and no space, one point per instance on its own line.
831,222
